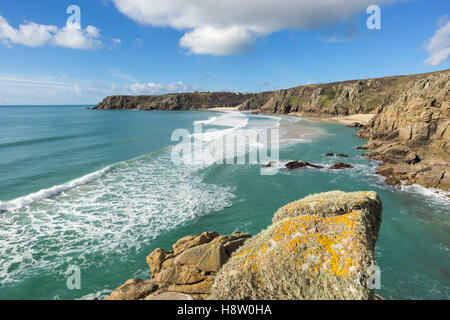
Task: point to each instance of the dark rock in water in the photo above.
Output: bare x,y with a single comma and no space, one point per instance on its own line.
336,155
267,165
255,112
300,164
341,165
3,211
356,125
363,148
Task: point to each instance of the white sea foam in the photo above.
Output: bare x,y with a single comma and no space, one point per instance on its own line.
233,119
119,213
47,193
248,133
206,122
117,210
431,193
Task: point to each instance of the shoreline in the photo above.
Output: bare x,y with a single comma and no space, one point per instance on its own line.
362,118
220,109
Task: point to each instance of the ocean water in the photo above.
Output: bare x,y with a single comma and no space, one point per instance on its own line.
98,190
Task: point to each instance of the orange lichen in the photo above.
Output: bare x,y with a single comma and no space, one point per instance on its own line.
316,250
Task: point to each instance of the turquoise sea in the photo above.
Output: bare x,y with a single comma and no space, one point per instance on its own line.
98,190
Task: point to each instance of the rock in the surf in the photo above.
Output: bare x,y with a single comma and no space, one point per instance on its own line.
341,165
301,164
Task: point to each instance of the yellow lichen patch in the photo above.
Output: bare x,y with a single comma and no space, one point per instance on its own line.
370,194
317,243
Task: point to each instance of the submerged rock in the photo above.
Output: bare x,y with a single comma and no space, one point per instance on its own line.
301,164
323,249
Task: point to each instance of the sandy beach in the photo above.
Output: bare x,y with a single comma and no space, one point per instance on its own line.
361,118
221,109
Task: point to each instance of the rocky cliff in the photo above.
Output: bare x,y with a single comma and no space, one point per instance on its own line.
340,98
320,247
174,101
409,132
411,135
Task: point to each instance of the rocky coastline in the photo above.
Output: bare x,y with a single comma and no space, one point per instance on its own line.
411,136
319,247
408,130
174,101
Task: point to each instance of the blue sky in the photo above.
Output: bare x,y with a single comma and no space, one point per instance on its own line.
155,46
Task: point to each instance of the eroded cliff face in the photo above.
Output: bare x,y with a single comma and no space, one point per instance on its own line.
330,99
412,136
173,101
409,132
333,99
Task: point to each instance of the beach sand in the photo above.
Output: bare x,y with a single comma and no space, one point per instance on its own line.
361,118
221,109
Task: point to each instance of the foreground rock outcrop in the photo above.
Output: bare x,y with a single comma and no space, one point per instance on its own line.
323,249
185,273
319,247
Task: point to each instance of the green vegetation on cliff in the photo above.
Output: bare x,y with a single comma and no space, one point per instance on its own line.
174,101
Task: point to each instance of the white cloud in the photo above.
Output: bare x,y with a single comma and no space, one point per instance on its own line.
211,40
222,27
73,37
156,88
45,89
29,34
37,35
439,45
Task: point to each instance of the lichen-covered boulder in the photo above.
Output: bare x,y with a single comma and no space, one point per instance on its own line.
329,204
133,289
187,271
321,247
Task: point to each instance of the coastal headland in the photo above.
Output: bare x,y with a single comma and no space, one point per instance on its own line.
405,118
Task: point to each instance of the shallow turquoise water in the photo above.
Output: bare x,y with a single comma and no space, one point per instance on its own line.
142,200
